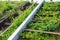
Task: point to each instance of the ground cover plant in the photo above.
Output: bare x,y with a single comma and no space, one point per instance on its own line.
53,6
20,12
46,19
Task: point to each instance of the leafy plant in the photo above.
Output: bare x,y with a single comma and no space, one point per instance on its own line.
16,23
51,6
46,19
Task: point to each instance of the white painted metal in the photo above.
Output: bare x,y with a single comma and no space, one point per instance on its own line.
15,35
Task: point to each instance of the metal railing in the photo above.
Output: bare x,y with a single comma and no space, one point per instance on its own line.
15,35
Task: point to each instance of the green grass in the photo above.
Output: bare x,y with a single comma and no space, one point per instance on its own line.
5,6
51,6
38,36
46,19
16,23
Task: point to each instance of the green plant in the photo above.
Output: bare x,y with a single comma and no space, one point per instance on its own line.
5,6
46,19
16,23
51,6
38,36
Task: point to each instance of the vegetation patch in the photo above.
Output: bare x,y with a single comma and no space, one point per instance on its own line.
13,17
46,20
